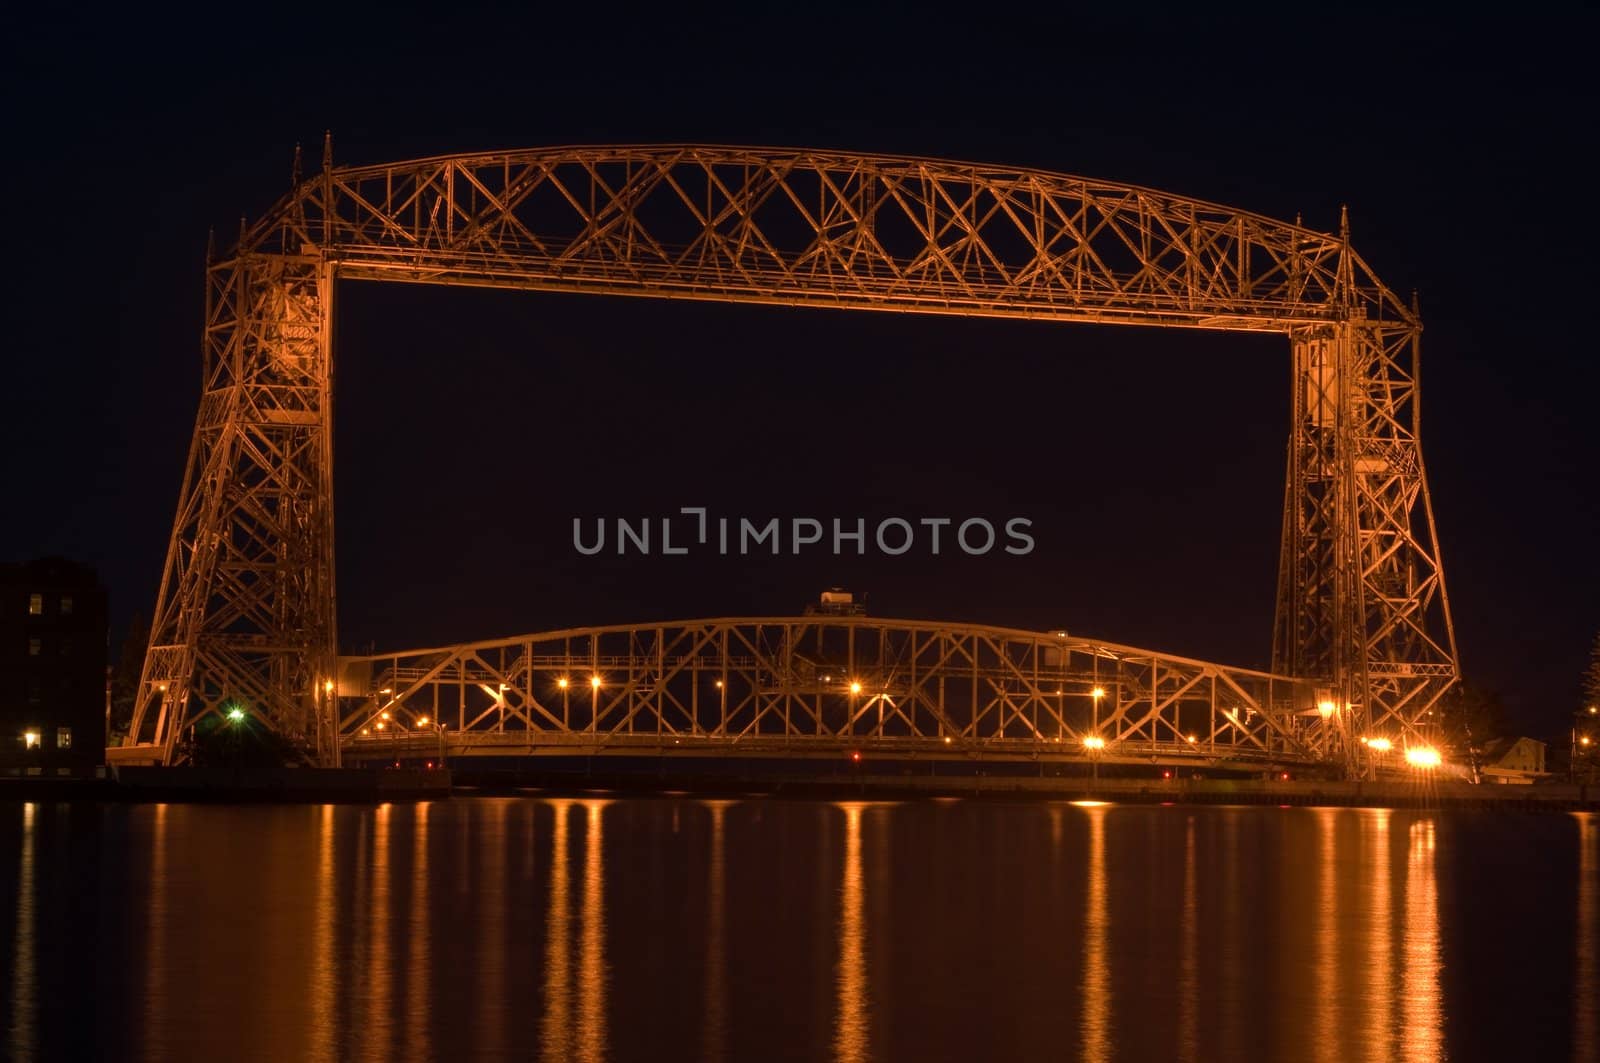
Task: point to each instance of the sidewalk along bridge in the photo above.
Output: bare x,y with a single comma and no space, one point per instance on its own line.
245,612
823,686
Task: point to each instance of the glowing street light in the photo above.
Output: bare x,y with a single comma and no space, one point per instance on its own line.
1326,708
594,681
438,729
236,714
1378,745
855,688
561,684
1094,744
1424,757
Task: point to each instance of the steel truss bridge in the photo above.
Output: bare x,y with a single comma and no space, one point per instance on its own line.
822,686
246,612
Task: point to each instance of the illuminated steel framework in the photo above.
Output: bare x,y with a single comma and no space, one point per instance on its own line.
246,607
818,685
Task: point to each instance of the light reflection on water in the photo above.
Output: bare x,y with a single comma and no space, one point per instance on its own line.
716,995
556,1041
1378,970
1422,1032
592,976
1096,1024
1586,1024
24,975
517,927
1189,979
851,1024
1325,1040
418,935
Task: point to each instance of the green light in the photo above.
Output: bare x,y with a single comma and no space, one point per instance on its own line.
236,715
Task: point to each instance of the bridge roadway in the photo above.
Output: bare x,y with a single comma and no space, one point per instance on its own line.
825,686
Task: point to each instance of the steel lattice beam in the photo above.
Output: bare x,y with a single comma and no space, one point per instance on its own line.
820,685
246,607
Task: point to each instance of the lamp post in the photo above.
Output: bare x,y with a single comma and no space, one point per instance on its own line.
1094,731
438,729
1583,745
235,722
1094,744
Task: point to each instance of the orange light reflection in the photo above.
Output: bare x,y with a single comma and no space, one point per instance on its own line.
1421,1018
1096,1021
850,1035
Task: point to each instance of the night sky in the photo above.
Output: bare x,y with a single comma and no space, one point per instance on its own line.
473,426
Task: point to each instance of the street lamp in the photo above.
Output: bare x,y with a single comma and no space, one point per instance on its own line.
1581,745
438,729
1094,744
1424,758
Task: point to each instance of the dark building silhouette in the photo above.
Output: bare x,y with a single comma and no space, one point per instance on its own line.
52,667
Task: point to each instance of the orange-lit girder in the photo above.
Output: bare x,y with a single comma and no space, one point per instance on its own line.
799,686
246,605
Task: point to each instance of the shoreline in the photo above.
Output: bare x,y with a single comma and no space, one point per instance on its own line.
371,786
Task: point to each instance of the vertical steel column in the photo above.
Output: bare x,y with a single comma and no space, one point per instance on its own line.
1361,601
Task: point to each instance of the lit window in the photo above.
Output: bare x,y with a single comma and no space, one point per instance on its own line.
33,647
63,738
35,605
66,605
30,739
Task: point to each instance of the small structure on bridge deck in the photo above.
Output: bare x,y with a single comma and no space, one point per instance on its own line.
1518,761
836,601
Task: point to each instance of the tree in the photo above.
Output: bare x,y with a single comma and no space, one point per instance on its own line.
237,740
1586,726
125,674
1591,678
1470,717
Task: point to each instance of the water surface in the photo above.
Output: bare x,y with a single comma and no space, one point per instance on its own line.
684,929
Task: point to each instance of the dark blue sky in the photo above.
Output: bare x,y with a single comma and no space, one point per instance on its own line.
473,426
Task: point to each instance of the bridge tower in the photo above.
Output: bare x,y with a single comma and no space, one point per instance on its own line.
1362,607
